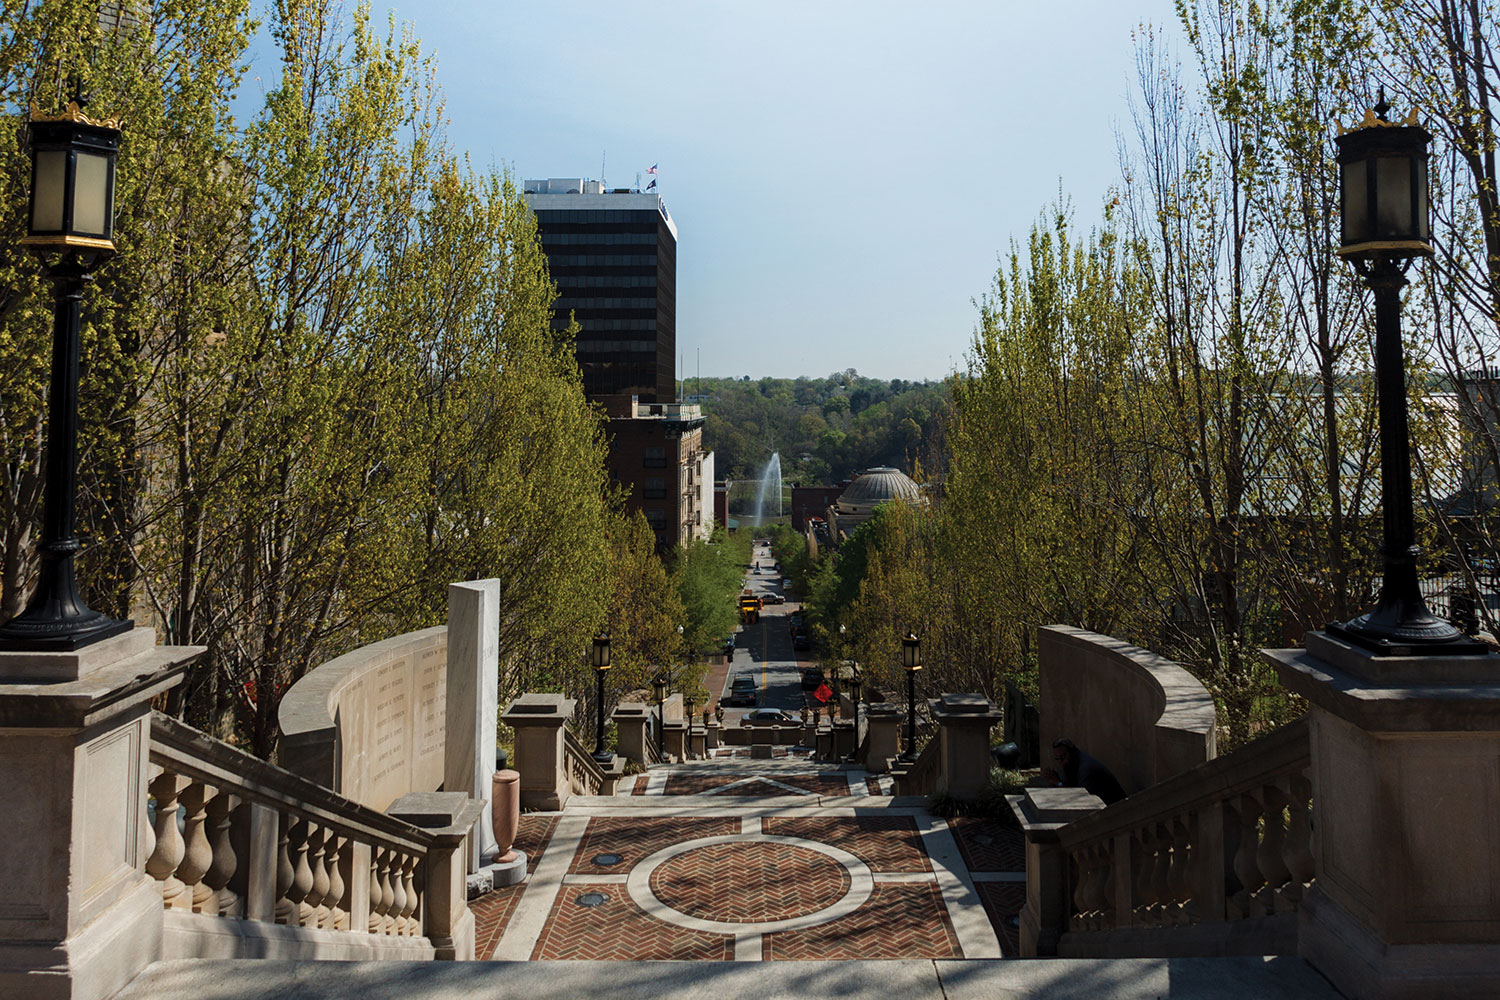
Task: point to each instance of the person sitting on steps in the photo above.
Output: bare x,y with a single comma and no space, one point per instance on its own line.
1076,769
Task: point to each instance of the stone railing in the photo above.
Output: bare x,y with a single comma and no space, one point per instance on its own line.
238,846
921,776
585,776
1213,861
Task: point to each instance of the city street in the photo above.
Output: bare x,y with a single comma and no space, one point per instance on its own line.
763,651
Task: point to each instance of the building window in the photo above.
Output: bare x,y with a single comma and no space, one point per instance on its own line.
656,518
654,489
655,457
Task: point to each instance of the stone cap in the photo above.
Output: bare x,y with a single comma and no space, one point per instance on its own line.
21,667
883,710
963,708
632,712
1388,706
446,814
101,694
539,709
1414,669
1043,811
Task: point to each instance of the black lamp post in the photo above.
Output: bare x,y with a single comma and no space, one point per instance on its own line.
911,659
71,214
854,691
687,751
601,667
1383,183
659,688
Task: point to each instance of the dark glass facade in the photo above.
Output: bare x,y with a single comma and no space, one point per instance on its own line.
616,272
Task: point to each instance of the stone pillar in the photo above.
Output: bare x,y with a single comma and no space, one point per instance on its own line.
964,722
630,722
1042,812
713,731
675,745
824,742
843,738
80,917
446,917
1406,794
700,740
538,720
884,722
473,701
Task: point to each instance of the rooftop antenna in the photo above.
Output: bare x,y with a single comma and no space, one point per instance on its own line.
602,182
637,182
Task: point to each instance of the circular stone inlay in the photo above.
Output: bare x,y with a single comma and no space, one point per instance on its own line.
749,883
592,899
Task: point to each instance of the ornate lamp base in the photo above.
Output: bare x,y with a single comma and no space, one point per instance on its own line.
1386,631
41,630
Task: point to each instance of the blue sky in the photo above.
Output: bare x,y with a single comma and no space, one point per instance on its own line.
843,174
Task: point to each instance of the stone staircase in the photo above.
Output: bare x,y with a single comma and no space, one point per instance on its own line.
739,877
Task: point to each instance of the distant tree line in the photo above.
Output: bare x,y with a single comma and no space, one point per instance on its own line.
825,429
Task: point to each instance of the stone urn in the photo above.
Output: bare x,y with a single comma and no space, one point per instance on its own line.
505,812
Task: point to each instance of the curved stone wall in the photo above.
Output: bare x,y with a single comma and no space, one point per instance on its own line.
371,723
1145,717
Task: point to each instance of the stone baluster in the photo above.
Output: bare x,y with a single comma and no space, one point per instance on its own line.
198,852
1296,853
1104,910
226,902
1080,889
376,922
1161,890
411,925
311,910
1179,876
1246,869
286,872
395,919
387,891
335,900
1268,856
299,834
170,846
1144,896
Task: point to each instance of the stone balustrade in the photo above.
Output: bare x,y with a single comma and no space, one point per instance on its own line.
1213,861
584,774
233,837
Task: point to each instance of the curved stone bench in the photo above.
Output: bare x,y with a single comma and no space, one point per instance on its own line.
371,723
1145,717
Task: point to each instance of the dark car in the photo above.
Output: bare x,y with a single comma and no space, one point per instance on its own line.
812,679
741,692
768,717
800,639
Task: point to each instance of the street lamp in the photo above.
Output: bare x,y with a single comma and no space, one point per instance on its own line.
854,692
911,659
71,214
1383,185
659,688
601,667
687,752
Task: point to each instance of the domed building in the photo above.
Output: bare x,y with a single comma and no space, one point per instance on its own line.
857,504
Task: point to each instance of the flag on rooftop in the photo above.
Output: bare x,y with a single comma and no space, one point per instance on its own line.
651,185
651,169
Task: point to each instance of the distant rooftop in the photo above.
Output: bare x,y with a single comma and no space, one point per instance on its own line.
581,193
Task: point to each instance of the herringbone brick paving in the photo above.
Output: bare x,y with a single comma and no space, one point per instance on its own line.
619,930
989,845
637,837
1003,902
696,784
532,836
899,920
884,843
768,882
492,913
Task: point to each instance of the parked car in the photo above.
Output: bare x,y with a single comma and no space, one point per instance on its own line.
741,692
770,598
812,679
768,717
800,639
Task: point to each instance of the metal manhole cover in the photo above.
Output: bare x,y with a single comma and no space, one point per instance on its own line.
607,860
592,899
